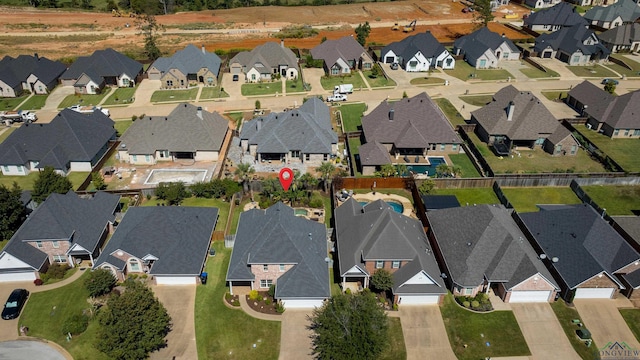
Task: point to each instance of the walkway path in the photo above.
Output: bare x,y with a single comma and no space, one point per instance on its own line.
104,98
364,79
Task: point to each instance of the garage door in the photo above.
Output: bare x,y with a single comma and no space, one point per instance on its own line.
418,299
590,293
175,280
547,54
301,304
20,276
389,59
529,296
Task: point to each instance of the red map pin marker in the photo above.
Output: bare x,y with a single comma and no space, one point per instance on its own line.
286,178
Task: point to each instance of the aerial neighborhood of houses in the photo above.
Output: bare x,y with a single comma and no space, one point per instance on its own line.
494,171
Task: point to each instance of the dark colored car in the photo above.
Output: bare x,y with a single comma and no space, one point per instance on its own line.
14,304
235,77
394,66
607,81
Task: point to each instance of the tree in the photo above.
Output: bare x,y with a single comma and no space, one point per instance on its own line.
483,14
609,87
132,324
100,282
326,169
12,211
402,169
387,170
362,33
243,171
349,326
382,280
426,187
148,27
172,192
376,71
98,181
47,182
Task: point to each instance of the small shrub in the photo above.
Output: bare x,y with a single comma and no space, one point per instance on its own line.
134,117
475,304
228,296
348,291
236,302
75,324
57,270
37,282
272,291
254,295
279,308
267,302
466,304
100,282
395,307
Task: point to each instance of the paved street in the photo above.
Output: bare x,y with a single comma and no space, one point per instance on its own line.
424,333
180,304
603,320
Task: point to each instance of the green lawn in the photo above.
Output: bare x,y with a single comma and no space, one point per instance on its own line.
223,207
535,73
84,100
396,349
464,72
462,160
174,95
477,100
212,92
36,102
328,82
122,125
470,196
470,332
632,318
427,81
618,200
263,88
555,95
635,66
624,151
354,144
294,86
450,111
378,81
236,117
224,333
328,212
46,311
77,178
122,96
5,134
25,182
352,116
565,314
11,103
591,71
525,199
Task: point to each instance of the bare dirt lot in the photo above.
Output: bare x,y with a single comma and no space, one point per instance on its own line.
58,34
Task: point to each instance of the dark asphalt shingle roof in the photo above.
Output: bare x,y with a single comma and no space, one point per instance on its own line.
70,136
481,40
15,71
189,60
436,202
583,242
622,112
625,34
570,40
374,154
425,43
345,48
483,241
277,236
591,95
63,217
266,57
180,131
561,14
376,232
103,63
178,236
630,225
627,10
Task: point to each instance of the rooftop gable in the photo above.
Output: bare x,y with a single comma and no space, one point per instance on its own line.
189,60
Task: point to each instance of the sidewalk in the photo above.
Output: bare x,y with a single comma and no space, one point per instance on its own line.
62,283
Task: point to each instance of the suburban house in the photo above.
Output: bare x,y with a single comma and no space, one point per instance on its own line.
276,247
584,253
556,17
188,132
541,4
185,68
373,237
585,95
342,56
34,74
302,135
168,243
64,229
625,37
591,2
485,49
70,142
482,248
419,52
90,74
616,119
264,62
608,17
398,132
629,228
574,45
517,119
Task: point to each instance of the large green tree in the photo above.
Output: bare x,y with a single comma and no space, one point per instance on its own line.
362,33
149,28
47,182
12,211
382,280
483,14
244,171
349,326
100,282
172,192
326,169
132,324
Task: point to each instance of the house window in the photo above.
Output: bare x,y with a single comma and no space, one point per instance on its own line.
367,66
468,291
636,132
626,132
163,153
134,265
307,157
413,64
169,83
574,149
281,267
59,258
335,71
40,89
135,158
442,147
147,158
448,61
181,82
454,147
295,153
395,264
265,283
265,268
576,59
558,148
616,132
253,77
210,80
125,82
433,147
39,244
21,169
5,168
379,264
325,157
56,244
505,55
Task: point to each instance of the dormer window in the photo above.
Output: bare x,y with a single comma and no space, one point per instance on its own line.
134,265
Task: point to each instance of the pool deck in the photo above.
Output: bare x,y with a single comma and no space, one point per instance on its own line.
372,196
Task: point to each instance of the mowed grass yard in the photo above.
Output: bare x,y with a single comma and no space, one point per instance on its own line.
462,160
450,111
328,82
36,102
592,71
525,199
84,100
223,207
121,96
263,88
632,318
8,104
174,95
212,92
625,152
470,196
618,200
565,315
464,72
26,182
352,116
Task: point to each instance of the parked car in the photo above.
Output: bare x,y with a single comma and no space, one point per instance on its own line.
337,97
394,66
468,10
609,81
235,77
14,304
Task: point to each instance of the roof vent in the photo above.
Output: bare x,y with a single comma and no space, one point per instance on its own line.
469,244
554,259
542,256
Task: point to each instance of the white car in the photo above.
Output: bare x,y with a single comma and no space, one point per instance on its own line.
337,97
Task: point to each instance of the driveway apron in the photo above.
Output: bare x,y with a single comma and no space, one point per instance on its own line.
425,336
295,342
603,320
181,341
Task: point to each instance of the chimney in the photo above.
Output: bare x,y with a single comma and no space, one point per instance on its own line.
199,112
391,112
203,49
35,55
282,43
510,110
503,35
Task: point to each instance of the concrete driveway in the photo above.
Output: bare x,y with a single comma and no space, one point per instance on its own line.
424,333
542,331
294,336
180,303
9,328
603,320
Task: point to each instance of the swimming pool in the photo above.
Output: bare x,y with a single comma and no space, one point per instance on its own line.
397,207
301,212
428,169
174,175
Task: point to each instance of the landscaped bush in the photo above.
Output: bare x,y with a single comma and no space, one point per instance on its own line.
37,282
279,308
475,304
57,271
75,324
100,282
480,302
272,291
254,295
466,304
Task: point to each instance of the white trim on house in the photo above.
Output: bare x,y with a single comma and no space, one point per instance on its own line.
594,293
301,303
18,276
530,296
404,300
175,280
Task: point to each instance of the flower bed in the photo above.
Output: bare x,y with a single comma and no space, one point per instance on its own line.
480,302
261,302
232,300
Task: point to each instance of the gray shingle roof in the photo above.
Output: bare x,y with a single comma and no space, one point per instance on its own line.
103,63
189,60
591,95
625,35
424,43
14,71
583,242
376,232
633,278
483,241
181,131
620,113
561,14
570,40
266,57
345,48
277,236
374,154
530,119
70,136
481,40
627,10
63,217
178,236
630,225
436,202
307,129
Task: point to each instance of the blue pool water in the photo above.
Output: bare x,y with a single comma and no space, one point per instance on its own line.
397,207
427,169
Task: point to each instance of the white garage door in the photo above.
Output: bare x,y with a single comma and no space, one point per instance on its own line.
301,304
418,299
591,293
529,296
175,280
20,276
